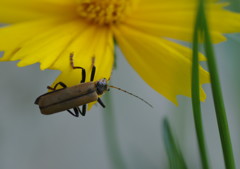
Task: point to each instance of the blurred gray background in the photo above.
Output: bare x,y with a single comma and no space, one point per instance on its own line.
30,140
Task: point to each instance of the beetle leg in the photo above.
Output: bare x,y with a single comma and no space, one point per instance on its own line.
69,111
84,108
83,73
93,70
93,73
59,83
78,67
79,111
101,102
76,112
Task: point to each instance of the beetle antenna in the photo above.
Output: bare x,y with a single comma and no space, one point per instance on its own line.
132,95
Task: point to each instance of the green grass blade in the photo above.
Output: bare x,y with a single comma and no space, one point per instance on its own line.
196,95
217,96
175,156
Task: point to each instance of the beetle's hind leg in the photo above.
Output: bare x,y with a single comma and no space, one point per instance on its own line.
76,112
84,109
56,85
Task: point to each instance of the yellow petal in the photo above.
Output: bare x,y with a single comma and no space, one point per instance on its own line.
12,11
160,64
86,45
223,21
173,31
13,37
47,46
186,52
176,19
43,43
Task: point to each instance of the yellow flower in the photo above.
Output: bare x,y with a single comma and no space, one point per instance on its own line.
47,31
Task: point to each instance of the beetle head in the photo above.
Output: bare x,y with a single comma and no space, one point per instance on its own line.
102,86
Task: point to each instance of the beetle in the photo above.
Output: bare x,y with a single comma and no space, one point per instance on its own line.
68,98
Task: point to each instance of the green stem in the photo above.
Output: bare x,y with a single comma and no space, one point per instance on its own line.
112,143
196,96
217,96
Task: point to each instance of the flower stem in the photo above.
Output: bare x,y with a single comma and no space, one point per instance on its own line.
217,96
112,143
196,96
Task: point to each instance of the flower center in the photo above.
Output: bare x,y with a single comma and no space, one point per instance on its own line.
103,12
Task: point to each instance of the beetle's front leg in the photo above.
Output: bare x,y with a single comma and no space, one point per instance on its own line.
59,83
101,102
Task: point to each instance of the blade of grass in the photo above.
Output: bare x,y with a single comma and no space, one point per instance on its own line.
112,143
175,156
196,95
217,94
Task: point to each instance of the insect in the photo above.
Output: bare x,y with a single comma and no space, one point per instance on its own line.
68,98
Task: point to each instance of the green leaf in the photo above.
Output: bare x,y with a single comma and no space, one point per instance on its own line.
175,156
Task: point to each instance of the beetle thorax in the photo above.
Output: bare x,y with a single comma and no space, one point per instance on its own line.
101,86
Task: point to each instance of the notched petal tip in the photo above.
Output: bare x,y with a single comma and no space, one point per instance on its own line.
22,63
174,100
167,70
2,59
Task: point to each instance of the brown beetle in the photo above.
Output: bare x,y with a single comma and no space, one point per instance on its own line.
79,95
